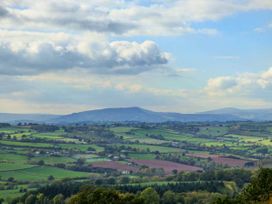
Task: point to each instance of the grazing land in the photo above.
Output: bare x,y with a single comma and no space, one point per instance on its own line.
161,155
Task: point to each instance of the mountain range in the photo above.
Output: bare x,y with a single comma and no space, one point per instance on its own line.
136,114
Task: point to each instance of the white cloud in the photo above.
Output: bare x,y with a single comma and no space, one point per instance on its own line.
45,45
91,52
76,90
248,85
80,80
264,28
123,17
222,85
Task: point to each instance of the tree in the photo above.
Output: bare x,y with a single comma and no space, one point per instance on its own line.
41,162
262,150
31,199
40,198
175,172
257,191
150,196
124,180
11,179
169,197
103,196
51,178
58,199
98,182
260,187
80,161
111,181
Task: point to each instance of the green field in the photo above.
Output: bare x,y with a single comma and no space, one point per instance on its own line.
80,147
154,148
25,144
30,155
51,160
41,173
13,162
142,156
8,195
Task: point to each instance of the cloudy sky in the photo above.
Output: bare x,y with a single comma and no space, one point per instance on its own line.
178,55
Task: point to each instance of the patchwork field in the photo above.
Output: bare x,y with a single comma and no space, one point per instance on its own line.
9,162
41,173
167,166
42,154
222,160
115,165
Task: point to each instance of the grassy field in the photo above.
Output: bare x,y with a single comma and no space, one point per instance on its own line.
142,156
154,148
170,136
41,173
90,158
213,131
51,160
119,130
13,162
80,147
8,195
26,144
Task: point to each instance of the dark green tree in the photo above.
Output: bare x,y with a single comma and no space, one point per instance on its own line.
260,187
169,197
150,196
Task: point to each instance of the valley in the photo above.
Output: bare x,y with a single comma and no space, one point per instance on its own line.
129,153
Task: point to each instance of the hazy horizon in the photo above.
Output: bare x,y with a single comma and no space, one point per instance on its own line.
127,107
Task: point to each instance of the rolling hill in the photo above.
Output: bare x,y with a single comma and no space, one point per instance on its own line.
136,114
139,115
15,118
246,114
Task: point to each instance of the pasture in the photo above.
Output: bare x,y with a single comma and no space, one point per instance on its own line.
43,154
41,173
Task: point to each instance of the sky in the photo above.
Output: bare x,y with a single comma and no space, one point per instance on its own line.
178,55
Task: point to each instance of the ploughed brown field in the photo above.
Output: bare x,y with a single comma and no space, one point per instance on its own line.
222,160
115,165
167,165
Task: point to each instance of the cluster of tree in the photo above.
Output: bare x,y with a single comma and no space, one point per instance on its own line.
100,195
44,128
158,136
50,193
239,176
4,125
209,186
176,157
258,191
95,130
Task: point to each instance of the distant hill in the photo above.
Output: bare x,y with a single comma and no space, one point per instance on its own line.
246,114
139,115
15,118
136,114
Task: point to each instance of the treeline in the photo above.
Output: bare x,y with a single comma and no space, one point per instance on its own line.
4,125
239,176
179,186
103,195
209,186
258,191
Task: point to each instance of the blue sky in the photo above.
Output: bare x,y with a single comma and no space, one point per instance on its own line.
179,55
